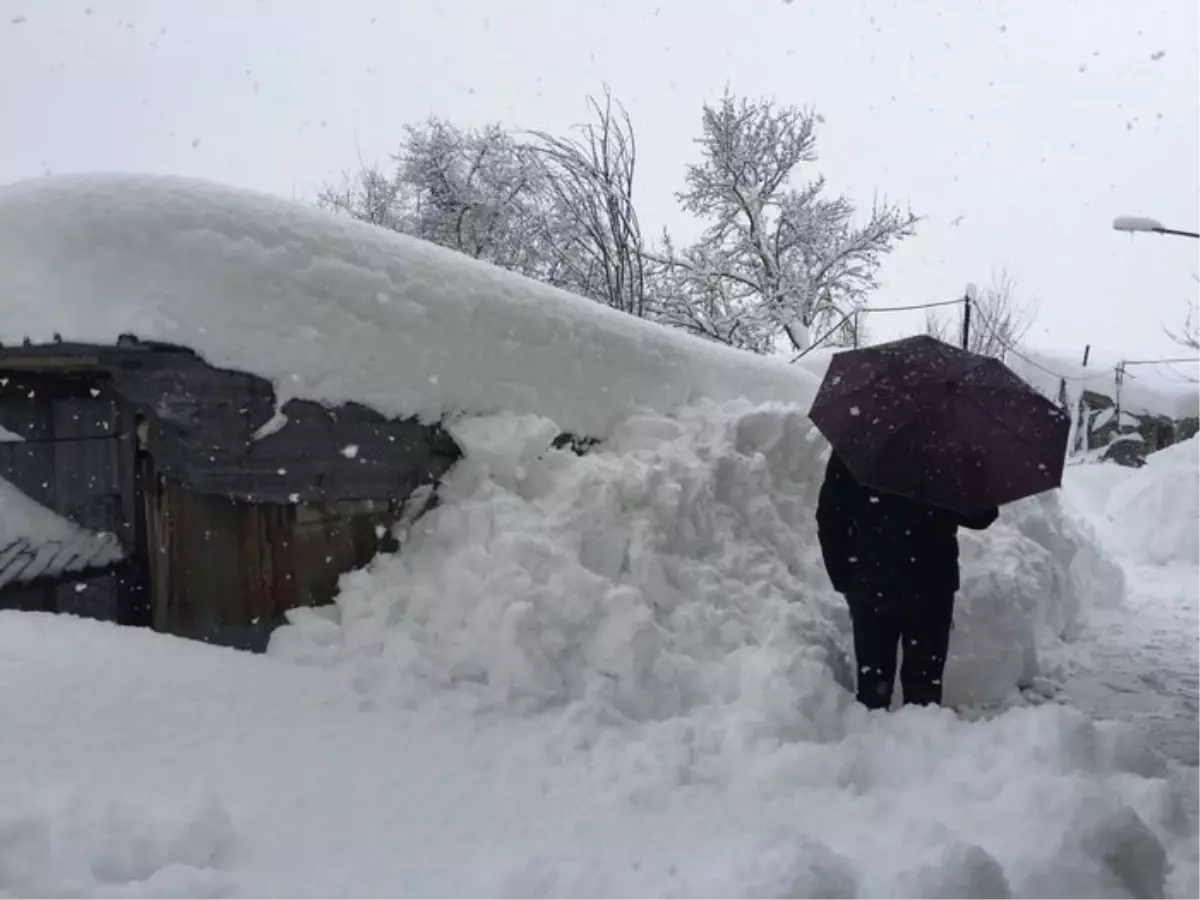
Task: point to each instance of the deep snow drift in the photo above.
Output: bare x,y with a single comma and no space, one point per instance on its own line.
1156,511
675,566
334,310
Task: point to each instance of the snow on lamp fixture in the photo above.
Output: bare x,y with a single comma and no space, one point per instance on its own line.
1135,224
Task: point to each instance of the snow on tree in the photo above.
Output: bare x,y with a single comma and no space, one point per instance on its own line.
471,190
775,258
783,257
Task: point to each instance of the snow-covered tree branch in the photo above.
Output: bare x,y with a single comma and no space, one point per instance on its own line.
474,191
777,256
796,253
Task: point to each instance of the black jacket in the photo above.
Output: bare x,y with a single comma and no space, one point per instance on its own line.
874,540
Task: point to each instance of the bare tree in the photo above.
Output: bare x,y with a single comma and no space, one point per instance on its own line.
592,224
787,258
999,318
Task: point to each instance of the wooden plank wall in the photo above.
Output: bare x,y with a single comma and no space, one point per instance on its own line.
215,561
219,564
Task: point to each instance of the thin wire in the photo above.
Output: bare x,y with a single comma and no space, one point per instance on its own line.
1159,362
1017,353
1010,348
853,314
914,306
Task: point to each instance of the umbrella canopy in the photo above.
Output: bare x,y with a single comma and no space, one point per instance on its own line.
924,419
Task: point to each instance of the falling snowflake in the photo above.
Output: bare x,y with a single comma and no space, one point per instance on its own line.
1158,54
854,411
350,451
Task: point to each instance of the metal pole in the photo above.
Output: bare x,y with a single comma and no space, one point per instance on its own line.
966,323
1120,377
1177,232
1087,349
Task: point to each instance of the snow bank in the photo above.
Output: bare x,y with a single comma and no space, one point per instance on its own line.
335,310
1026,583
677,568
674,568
1156,510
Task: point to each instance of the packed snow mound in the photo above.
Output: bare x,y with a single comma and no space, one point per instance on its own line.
1026,584
1155,512
335,310
674,567
1088,483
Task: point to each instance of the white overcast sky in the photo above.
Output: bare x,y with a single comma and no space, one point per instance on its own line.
1017,129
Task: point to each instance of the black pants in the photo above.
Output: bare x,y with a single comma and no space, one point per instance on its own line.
883,619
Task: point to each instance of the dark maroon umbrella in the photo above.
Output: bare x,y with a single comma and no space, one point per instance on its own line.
922,418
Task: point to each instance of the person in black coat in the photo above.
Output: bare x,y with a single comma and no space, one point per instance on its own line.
896,562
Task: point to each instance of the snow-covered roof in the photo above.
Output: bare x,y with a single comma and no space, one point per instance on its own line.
36,542
335,310
1164,390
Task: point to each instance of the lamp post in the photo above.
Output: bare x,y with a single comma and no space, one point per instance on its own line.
1135,224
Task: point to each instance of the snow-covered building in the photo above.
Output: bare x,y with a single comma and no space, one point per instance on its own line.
262,384
225,511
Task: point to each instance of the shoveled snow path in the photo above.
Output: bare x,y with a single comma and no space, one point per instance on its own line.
1140,663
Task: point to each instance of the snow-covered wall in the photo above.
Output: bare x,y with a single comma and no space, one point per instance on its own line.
335,310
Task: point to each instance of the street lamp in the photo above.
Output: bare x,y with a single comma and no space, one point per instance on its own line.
1134,224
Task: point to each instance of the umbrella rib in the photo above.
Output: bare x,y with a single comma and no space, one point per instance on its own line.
1022,436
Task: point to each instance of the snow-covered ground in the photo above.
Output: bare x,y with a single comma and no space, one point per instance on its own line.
617,674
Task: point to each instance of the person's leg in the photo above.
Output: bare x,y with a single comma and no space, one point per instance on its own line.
876,635
925,639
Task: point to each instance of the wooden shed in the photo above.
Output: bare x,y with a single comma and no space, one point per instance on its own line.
228,510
